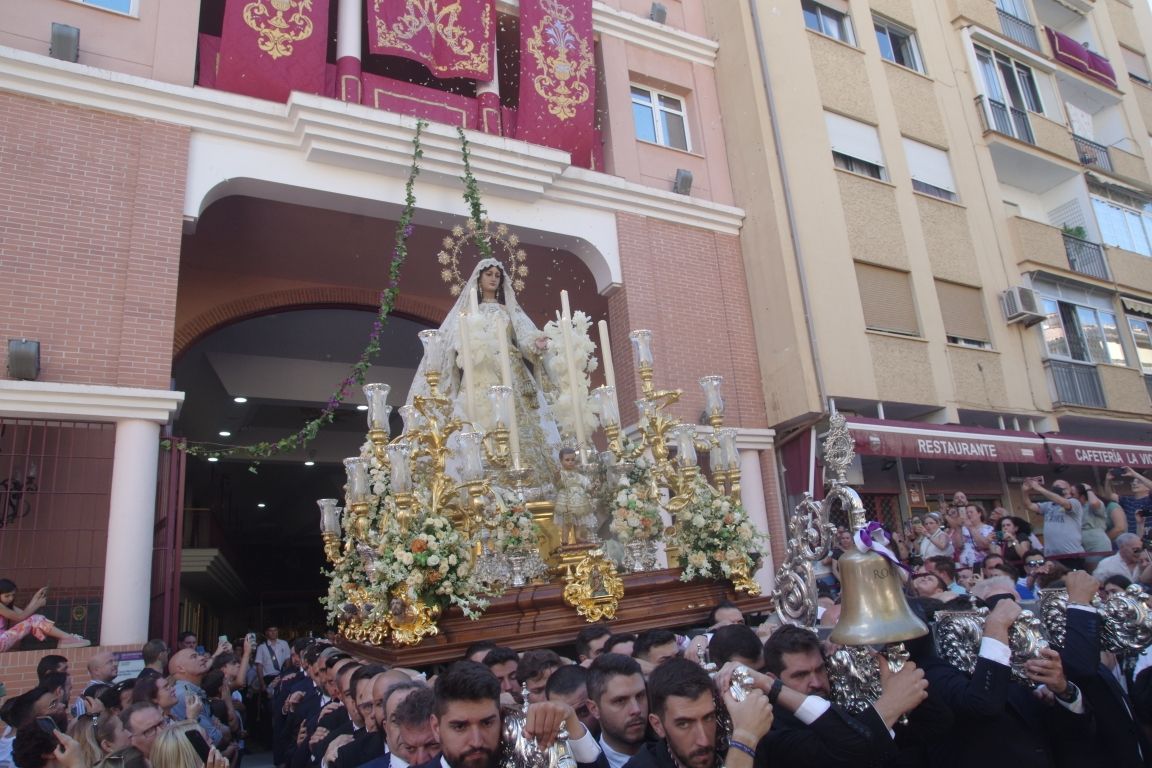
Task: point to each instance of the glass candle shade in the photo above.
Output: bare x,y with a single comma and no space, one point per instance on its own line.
713,402
329,516
357,471
433,349
642,348
729,454
410,417
500,397
605,400
685,441
400,463
378,409
471,456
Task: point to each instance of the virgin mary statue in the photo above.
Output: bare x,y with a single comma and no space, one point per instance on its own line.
489,291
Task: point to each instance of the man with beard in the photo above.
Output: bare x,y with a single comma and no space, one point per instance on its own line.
684,715
618,699
469,724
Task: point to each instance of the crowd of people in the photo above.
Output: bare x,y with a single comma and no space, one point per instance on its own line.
723,696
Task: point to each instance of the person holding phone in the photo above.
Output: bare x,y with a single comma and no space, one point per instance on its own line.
934,540
181,745
1062,515
17,623
1136,503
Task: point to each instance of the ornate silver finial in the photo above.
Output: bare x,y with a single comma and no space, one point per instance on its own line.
839,448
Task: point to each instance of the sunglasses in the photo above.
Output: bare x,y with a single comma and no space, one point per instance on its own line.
1034,563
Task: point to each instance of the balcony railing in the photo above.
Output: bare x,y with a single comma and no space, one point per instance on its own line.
1085,257
1018,30
1091,153
1004,119
1077,384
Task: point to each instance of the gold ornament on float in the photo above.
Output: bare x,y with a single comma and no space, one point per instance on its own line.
594,589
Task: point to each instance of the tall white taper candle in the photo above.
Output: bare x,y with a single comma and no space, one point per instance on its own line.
573,374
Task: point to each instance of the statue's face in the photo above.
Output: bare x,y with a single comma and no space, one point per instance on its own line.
568,461
490,280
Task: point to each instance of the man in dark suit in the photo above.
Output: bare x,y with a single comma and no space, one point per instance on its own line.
1120,740
468,721
416,740
367,741
1013,726
684,705
809,730
618,699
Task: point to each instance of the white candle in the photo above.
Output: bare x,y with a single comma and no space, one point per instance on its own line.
469,371
506,376
606,353
573,379
473,305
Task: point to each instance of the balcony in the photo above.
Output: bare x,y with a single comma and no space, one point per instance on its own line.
1148,385
1085,257
1076,384
1018,31
1006,120
1091,153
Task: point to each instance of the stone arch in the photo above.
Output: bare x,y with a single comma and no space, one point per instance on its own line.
297,298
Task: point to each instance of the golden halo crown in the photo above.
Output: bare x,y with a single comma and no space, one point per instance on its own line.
501,239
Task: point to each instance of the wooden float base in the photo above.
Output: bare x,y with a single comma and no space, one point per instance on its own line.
536,616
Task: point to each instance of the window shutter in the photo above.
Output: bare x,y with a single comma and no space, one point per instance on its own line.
1135,63
887,298
963,311
853,138
929,165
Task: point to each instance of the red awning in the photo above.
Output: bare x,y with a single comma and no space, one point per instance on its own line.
1066,449
917,440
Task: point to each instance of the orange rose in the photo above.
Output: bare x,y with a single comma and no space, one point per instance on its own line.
419,545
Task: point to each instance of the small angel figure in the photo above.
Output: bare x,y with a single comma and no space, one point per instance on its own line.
574,510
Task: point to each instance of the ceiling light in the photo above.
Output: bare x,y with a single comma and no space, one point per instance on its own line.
239,399
213,458
225,433
261,505
361,407
309,463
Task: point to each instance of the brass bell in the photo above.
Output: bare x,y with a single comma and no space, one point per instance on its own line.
873,609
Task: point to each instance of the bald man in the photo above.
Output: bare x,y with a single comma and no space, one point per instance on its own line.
102,670
187,668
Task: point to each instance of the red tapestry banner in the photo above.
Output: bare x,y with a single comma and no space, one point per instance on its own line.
270,48
452,38
557,76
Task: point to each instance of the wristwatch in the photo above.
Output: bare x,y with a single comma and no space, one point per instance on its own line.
1070,693
777,686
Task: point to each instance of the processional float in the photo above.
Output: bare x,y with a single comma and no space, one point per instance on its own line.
444,514
875,614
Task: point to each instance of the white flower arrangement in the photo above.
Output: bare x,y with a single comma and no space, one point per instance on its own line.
715,537
513,527
567,406
635,516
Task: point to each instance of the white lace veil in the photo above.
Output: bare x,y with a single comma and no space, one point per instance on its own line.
450,332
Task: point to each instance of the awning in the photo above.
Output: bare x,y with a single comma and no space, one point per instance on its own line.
1066,449
917,440
1135,305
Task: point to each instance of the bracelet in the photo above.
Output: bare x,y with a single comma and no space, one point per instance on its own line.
774,691
743,748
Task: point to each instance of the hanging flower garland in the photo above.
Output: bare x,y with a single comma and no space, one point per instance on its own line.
388,296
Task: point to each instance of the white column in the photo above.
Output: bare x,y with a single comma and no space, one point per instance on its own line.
349,20
128,564
752,496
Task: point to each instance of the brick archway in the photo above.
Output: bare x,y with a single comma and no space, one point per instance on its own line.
297,298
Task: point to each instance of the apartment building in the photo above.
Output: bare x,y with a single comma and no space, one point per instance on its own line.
197,261
948,235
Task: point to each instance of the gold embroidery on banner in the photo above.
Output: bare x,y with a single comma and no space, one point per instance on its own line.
277,34
563,60
440,20
378,102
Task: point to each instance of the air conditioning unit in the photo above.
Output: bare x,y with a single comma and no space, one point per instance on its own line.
1021,306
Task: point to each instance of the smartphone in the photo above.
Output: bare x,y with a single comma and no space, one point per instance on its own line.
252,638
1118,472
47,724
196,739
221,640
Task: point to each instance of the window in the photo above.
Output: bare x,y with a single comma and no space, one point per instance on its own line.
120,6
1137,66
1142,334
1124,220
828,20
1017,8
659,118
930,170
897,44
1075,332
855,146
1008,81
962,308
886,295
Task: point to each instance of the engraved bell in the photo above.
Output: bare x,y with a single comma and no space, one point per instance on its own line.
873,609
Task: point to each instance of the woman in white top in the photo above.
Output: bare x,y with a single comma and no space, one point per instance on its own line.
933,539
